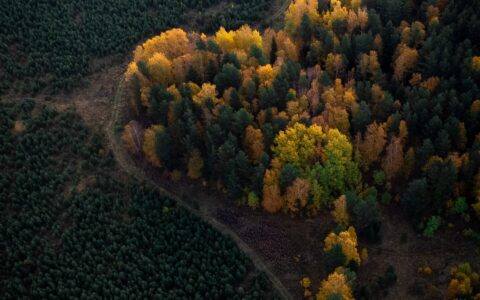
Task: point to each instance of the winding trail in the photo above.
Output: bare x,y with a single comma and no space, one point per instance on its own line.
279,11
129,166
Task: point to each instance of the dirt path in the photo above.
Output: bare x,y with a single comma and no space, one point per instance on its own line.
279,11
127,164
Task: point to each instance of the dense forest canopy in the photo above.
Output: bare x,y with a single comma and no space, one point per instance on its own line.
51,44
70,229
349,98
352,105
348,114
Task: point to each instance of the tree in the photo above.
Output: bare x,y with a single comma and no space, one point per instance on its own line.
225,39
340,212
306,28
272,199
406,60
164,149
394,158
273,51
172,43
253,143
361,117
348,240
335,286
257,53
335,117
288,175
242,39
369,64
298,144
266,74
476,63
208,92
246,38
372,144
295,12
228,77
334,65
150,144
160,69
296,195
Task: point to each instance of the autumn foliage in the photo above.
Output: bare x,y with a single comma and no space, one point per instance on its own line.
347,96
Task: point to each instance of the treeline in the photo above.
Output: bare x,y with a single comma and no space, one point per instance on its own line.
69,229
350,98
51,44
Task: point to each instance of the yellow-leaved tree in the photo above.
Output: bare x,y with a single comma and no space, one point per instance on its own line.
160,69
340,212
296,10
347,240
150,144
208,92
172,43
298,144
242,39
335,285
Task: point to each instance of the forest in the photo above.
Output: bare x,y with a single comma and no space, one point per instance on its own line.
70,229
52,45
228,149
352,107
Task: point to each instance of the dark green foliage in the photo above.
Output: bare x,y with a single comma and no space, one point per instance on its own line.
365,214
231,58
288,174
52,44
69,229
159,102
334,258
362,117
257,53
306,28
230,76
415,198
273,51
